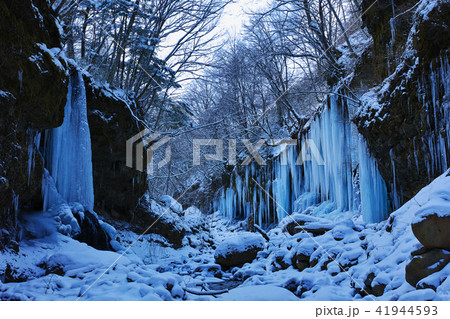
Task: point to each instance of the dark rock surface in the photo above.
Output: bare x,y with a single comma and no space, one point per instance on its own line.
92,232
433,231
33,87
377,19
428,263
117,188
406,131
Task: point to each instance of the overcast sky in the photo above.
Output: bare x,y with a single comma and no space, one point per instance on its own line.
235,16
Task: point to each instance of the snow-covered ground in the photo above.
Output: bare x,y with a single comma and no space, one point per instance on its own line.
56,267
352,251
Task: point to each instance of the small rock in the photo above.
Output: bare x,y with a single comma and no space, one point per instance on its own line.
301,261
419,251
281,262
376,290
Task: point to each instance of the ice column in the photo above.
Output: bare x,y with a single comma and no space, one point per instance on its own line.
68,149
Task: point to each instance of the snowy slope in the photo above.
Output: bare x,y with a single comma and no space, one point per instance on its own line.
57,267
349,253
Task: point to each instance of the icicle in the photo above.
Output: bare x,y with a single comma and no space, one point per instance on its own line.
415,154
281,186
15,206
32,147
333,181
394,195
20,76
374,204
390,47
30,160
436,140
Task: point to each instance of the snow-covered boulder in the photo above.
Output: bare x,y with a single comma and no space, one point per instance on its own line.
431,224
298,222
239,249
193,218
303,251
431,227
151,217
171,203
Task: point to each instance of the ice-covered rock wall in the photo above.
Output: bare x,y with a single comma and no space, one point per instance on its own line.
325,185
436,141
33,89
405,116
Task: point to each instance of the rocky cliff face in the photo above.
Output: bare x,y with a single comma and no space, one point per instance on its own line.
117,188
405,119
33,88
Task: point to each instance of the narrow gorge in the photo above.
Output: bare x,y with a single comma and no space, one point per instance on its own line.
349,112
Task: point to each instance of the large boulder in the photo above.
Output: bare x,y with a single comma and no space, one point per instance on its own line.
92,233
194,219
238,250
150,217
171,203
433,231
428,263
300,222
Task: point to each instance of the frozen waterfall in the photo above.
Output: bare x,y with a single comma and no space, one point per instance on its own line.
68,150
374,200
328,189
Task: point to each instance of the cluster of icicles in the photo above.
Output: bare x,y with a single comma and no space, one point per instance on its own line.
349,182
272,192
